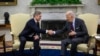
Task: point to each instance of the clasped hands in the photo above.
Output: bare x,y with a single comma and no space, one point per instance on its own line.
72,33
50,32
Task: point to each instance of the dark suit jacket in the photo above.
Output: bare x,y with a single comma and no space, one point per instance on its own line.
80,29
31,28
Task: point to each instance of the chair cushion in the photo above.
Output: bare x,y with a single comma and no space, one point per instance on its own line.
81,47
17,43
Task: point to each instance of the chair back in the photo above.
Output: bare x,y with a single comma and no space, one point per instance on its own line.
91,21
18,22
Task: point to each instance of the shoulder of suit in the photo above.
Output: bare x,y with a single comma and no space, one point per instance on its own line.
78,19
31,20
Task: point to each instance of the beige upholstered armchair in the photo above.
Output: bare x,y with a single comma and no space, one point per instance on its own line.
18,22
91,21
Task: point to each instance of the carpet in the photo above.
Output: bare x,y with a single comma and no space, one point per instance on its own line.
44,52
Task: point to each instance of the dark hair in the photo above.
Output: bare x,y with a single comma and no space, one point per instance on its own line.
36,13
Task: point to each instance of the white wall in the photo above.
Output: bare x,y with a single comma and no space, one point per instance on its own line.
91,6
21,7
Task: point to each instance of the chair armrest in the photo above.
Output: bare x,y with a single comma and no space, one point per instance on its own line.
91,42
12,37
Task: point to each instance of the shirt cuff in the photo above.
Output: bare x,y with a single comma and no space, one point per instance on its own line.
46,31
54,32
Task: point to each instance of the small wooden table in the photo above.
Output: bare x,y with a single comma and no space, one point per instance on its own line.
97,45
5,26
2,41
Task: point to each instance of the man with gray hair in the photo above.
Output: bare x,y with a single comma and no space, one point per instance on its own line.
76,33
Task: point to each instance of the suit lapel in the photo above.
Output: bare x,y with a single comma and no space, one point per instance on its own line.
69,28
36,23
76,24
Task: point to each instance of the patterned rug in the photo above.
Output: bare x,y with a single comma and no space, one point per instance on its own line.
44,52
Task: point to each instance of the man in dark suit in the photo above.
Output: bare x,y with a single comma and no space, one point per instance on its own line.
31,32
76,33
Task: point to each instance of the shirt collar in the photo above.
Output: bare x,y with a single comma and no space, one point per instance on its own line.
35,20
74,21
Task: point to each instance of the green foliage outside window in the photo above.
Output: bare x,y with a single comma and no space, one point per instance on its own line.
55,2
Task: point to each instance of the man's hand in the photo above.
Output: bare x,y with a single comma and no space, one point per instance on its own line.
50,32
72,33
36,37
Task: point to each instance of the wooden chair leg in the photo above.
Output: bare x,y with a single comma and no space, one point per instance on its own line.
4,47
95,51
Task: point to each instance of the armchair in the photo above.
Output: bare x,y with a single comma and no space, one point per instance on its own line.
91,21
18,22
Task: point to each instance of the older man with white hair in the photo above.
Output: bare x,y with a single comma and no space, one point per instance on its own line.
76,33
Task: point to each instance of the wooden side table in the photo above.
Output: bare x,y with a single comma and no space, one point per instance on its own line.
97,45
5,26
2,41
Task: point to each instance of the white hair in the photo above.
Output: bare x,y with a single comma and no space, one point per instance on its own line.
70,12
